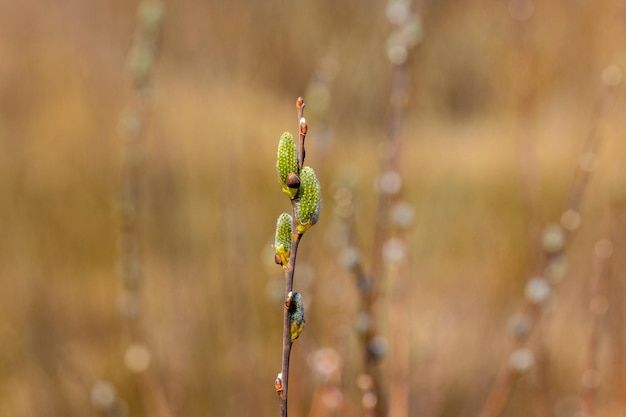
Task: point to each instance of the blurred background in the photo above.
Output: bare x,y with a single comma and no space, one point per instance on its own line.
500,103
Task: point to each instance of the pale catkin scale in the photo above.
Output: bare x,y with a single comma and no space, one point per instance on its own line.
287,163
308,200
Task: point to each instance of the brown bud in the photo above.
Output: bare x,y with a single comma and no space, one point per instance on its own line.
277,259
278,384
299,103
292,180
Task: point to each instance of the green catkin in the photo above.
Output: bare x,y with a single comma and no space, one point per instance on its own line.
282,239
287,163
308,200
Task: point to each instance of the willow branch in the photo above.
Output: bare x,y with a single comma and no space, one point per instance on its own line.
282,382
142,58
598,306
287,342
555,244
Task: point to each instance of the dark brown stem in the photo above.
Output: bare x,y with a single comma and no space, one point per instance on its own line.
287,342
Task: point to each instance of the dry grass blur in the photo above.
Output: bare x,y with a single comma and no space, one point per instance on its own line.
225,87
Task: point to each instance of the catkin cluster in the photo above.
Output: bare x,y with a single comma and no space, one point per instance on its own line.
303,189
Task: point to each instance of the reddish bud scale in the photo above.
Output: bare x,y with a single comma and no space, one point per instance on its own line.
278,384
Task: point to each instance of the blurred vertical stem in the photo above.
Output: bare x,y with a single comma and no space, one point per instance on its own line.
606,296
522,62
405,36
141,64
598,306
524,92
556,239
616,321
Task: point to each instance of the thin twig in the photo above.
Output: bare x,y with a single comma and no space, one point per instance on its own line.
524,60
398,101
301,132
142,59
375,398
616,295
604,101
400,338
533,309
287,342
289,273
382,231
598,306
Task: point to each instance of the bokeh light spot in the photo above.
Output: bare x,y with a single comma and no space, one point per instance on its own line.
570,220
612,75
402,214
103,395
394,250
603,249
537,290
553,238
389,182
137,357
369,400
521,360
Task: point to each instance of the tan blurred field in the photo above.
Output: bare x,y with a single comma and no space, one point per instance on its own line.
488,92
